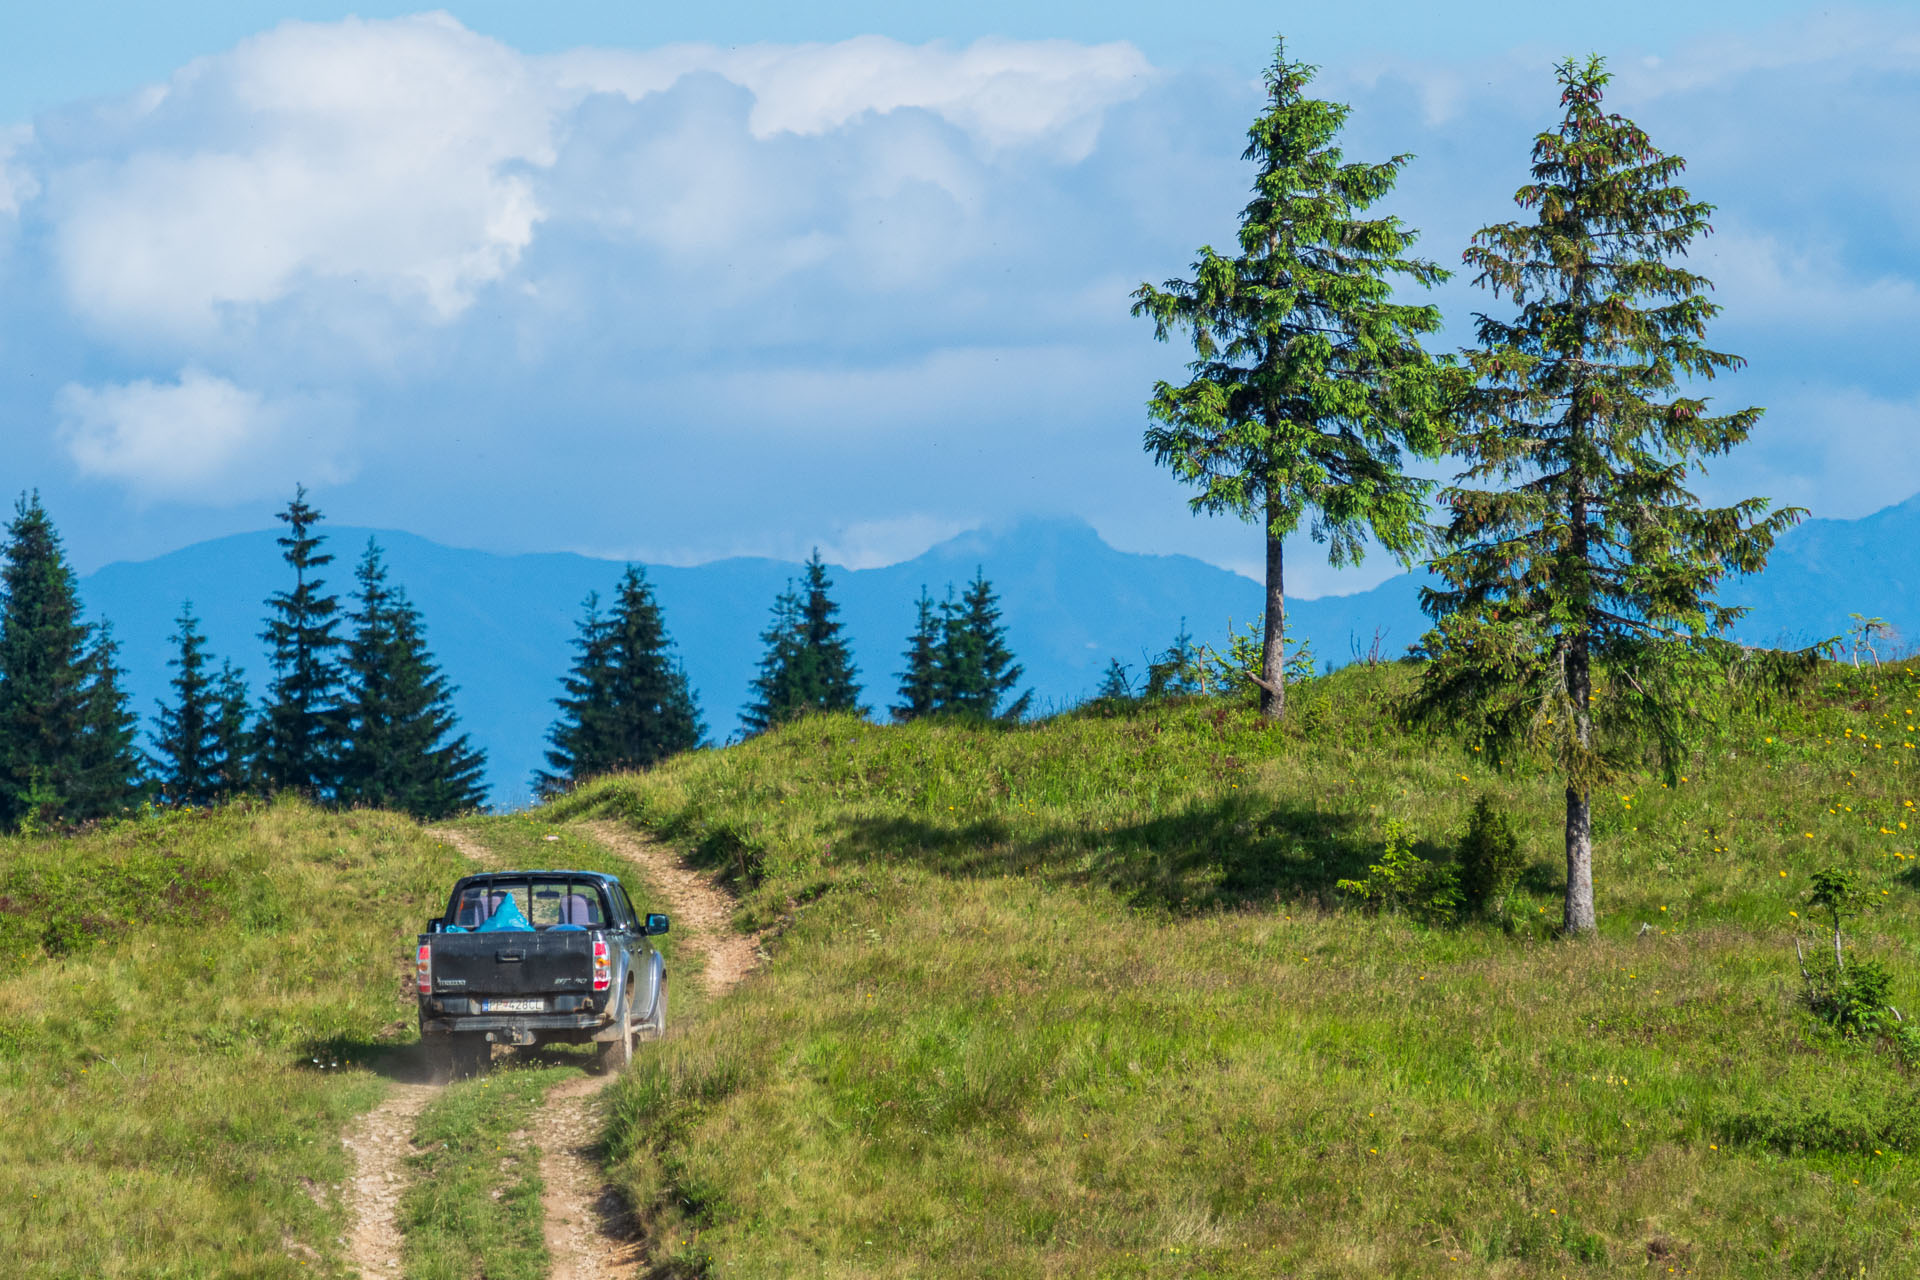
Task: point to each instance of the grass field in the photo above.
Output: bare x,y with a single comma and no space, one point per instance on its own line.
1080,999
187,1006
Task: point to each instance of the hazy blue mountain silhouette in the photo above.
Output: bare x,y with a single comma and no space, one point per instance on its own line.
502,624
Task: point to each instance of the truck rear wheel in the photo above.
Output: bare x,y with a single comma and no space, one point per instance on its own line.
617,1054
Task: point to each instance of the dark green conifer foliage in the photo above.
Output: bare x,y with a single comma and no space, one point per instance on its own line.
401,750
627,704
582,739
977,670
186,767
1114,685
299,731
1309,380
920,687
42,669
1578,603
108,780
1176,672
66,752
807,665
232,733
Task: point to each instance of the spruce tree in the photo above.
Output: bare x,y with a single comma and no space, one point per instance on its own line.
1309,380
186,736
807,665
1114,684
232,752
299,731
401,750
107,779
43,673
920,686
581,740
627,703
1578,600
976,668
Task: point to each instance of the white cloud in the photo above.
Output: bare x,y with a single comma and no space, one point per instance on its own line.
385,157
199,438
1004,92
322,167
1774,280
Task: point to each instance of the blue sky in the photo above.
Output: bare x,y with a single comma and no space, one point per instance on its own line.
678,282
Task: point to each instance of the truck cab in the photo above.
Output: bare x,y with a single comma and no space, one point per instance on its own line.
539,957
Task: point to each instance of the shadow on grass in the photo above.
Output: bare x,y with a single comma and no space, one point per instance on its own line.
1214,856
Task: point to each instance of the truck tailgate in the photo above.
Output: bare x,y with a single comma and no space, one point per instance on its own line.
511,964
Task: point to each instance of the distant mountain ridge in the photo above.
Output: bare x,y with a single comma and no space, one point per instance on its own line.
503,624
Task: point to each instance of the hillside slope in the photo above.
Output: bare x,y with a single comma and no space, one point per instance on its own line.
188,1008
1082,999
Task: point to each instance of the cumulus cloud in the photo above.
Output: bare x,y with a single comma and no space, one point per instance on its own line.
200,438
1002,92
391,157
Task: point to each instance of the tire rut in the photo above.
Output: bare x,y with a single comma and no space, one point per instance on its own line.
590,1234
377,1142
692,897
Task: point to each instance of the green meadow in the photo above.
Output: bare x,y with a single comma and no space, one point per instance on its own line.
1081,998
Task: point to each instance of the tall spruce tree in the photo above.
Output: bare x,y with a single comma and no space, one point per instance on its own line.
582,739
42,669
299,733
1309,380
627,704
921,691
401,750
232,733
977,670
186,735
1578,607
108,778
807,665
66,750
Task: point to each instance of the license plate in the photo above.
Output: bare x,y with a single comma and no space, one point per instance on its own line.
513,1006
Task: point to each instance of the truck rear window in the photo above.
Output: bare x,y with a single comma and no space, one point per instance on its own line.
545,903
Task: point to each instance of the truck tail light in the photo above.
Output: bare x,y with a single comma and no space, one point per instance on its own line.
602,965
423,969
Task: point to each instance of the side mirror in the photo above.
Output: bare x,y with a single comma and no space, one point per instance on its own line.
656,924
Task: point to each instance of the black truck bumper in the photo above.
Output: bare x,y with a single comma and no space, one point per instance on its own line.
521,1028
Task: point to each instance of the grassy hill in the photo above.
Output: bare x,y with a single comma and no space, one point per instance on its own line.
1081,999
187,1005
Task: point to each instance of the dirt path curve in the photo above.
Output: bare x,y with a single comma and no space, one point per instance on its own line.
589,1233
466,844
378,1142
692,899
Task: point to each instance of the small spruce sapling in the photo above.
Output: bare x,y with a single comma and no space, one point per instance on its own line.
1490,857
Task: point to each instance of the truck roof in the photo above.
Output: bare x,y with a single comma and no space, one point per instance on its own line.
602,876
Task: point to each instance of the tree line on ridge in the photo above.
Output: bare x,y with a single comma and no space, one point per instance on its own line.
357,712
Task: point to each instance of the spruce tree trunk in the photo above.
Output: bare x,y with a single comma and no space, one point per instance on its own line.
1273,657
1579,911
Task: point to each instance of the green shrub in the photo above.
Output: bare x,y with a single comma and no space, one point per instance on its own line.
1404,881
1490,858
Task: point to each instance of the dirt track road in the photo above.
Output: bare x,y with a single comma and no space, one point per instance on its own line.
589,1234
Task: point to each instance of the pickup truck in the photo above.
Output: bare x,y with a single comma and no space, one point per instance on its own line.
538,957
